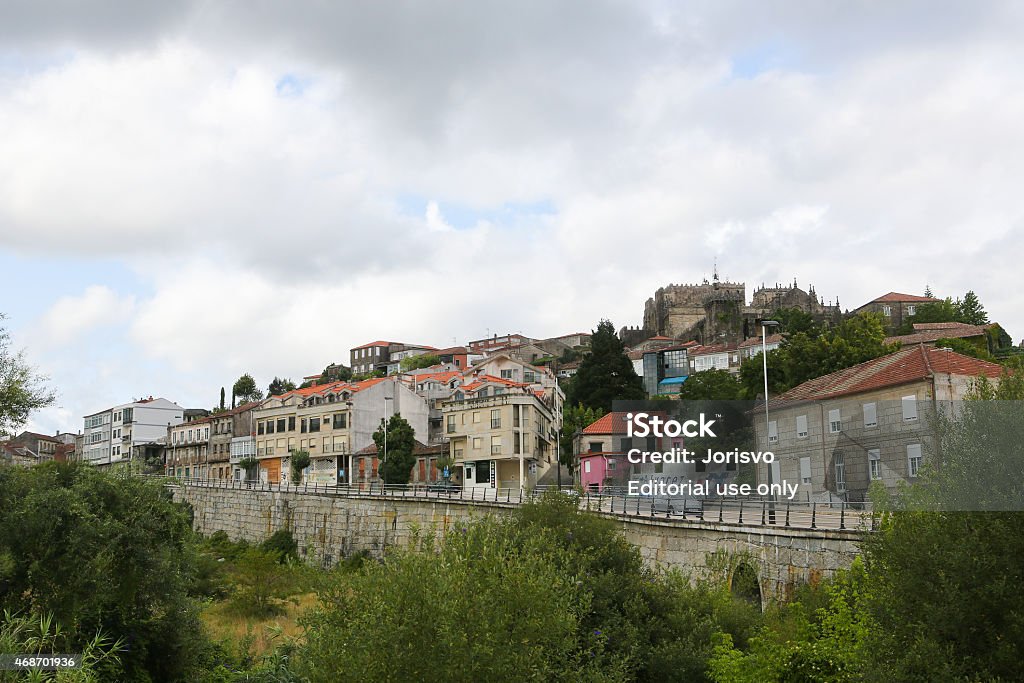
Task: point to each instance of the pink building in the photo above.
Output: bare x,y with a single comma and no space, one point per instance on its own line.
602,463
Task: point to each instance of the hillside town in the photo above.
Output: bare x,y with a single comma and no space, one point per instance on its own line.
490,414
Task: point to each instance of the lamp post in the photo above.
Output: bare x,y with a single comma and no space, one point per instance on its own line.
765,324
384,472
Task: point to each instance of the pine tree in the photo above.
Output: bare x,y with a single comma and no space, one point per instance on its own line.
928,291
970,310
605,374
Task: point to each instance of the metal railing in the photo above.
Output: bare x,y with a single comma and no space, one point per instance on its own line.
758,512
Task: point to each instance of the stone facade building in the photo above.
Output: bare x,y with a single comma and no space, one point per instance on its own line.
895,308
837,434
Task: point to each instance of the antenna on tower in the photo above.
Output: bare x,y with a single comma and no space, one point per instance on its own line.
714,273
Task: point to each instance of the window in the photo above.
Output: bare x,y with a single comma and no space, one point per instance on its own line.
801,426
281,424
515,416
911,309
529,376
611,464
887,310
805,470
875,463
117,416
483,472
476,418
495,419
840,469
773,432
835,424
477,443
870,415
126,414
495,445
596,447
291,423
270,426
451,424
909,408
586,465
913,459
340,420
516,443
508,374
259,428
314,424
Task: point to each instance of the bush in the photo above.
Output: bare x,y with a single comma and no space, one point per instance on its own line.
282,545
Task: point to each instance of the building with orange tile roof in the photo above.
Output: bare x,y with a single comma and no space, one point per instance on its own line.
837,434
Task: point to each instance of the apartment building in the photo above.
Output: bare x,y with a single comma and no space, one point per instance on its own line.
837,434
331,422
39,446
538,379
125,431
187,451
489,344
435,385
501,433
384,356
752,347
715,357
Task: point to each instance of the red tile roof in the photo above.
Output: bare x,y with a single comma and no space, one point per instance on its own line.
896,297
756,341
907,365
612,423
376,343
491,379
925,333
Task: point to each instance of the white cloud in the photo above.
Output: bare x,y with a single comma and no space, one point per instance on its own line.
72,317
858,150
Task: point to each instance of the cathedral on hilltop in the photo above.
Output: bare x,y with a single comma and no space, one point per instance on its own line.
717,312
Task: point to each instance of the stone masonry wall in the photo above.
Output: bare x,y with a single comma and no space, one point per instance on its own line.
328,527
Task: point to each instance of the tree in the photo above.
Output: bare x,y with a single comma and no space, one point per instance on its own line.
803,356
67,530
22,389
575,419
299,462
424,360
222,398
928,292
718,385
970,310
794,320
279,386
245,389
605,374
396,462
946,565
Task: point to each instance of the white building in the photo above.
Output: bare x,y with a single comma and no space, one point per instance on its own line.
114,435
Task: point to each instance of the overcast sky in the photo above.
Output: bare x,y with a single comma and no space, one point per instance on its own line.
192,190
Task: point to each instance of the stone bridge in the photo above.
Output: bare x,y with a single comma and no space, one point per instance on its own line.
329,526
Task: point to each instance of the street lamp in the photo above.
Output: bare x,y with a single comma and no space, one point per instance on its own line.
765,324
384,474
